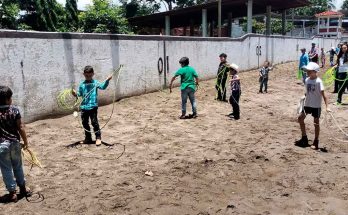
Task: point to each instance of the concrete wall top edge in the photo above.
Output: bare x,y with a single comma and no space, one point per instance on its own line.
94,36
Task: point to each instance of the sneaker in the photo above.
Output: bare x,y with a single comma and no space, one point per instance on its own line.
231,114
303,142
315,145
338,103
182,117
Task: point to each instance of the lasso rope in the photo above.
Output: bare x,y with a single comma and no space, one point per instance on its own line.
31,158
65,101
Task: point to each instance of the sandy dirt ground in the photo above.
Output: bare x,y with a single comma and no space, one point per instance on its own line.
208,165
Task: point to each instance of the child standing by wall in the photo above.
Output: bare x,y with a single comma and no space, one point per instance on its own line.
88,90
11,129
314,93
236,91
322,57
264,76
304,60
189,81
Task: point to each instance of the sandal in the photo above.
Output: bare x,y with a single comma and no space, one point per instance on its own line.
315,145
24,191
12,197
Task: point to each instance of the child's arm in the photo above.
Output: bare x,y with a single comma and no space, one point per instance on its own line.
105,84
77,94
236,78
21,130
197,81
325,100
171,83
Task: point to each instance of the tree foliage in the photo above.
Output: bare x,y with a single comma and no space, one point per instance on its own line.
9,12
276,26
317,6
103,17
139,7
71,13
345,5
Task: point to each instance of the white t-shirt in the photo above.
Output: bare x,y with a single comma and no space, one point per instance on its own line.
313,92
343,66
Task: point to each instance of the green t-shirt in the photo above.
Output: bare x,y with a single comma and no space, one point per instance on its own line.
187,75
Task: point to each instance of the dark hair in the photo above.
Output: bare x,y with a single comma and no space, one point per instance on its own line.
5,94
184,61
223,55
88,69
340,54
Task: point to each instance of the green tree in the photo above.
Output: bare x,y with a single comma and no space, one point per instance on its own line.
345,5
72,19
40,15
139,8
9,12
317,6
103,17
259,27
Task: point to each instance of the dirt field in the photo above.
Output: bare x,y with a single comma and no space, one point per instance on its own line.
209,165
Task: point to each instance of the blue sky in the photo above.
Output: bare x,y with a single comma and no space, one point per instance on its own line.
82,3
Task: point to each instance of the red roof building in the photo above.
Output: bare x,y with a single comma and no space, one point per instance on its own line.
326,27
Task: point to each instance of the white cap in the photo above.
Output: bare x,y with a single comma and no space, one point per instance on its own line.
234,66
312,67
333,48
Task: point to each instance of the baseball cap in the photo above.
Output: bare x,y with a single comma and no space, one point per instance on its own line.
312,67
233,66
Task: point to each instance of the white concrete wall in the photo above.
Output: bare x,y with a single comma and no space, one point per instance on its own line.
37,66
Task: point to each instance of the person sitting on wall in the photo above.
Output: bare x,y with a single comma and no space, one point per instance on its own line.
221,78
313,54
189,81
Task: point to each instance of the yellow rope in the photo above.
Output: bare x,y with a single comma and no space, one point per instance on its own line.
31,157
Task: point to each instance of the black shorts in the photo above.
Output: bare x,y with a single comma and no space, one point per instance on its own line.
316,112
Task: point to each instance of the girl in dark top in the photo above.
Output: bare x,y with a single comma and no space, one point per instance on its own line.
342,71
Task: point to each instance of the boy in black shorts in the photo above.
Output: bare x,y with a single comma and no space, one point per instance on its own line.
314,93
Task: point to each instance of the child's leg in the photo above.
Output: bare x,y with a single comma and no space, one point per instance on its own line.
301,119
316,128
184,95
266,83
223,87
6,166
235,104
16,160
304,76
261,84
191,94
85,118
218,88
95,123
342,86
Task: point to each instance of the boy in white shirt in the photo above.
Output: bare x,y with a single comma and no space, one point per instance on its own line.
314,93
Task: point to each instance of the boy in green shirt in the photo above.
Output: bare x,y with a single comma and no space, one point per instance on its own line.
189,81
